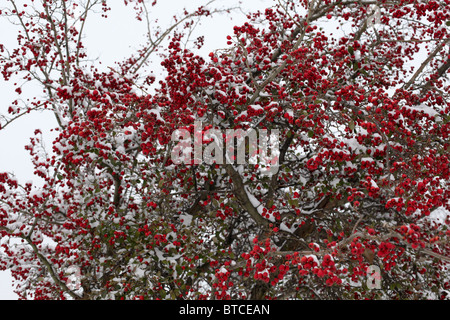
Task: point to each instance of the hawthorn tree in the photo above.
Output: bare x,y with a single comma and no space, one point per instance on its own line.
359,93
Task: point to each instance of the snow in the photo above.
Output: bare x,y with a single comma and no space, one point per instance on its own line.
284,227
290,112
314,257
157,113
439,215
187,219
354,145
255,107
335,182
424,108
221,92
95,224
242,114
258,205
373,183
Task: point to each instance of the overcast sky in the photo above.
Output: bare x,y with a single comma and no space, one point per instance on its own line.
109,40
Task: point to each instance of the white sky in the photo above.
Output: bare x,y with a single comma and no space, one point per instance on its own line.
109,40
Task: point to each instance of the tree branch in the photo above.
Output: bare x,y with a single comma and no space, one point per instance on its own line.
426,62
242,196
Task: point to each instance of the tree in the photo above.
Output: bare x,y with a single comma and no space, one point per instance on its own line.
362,167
